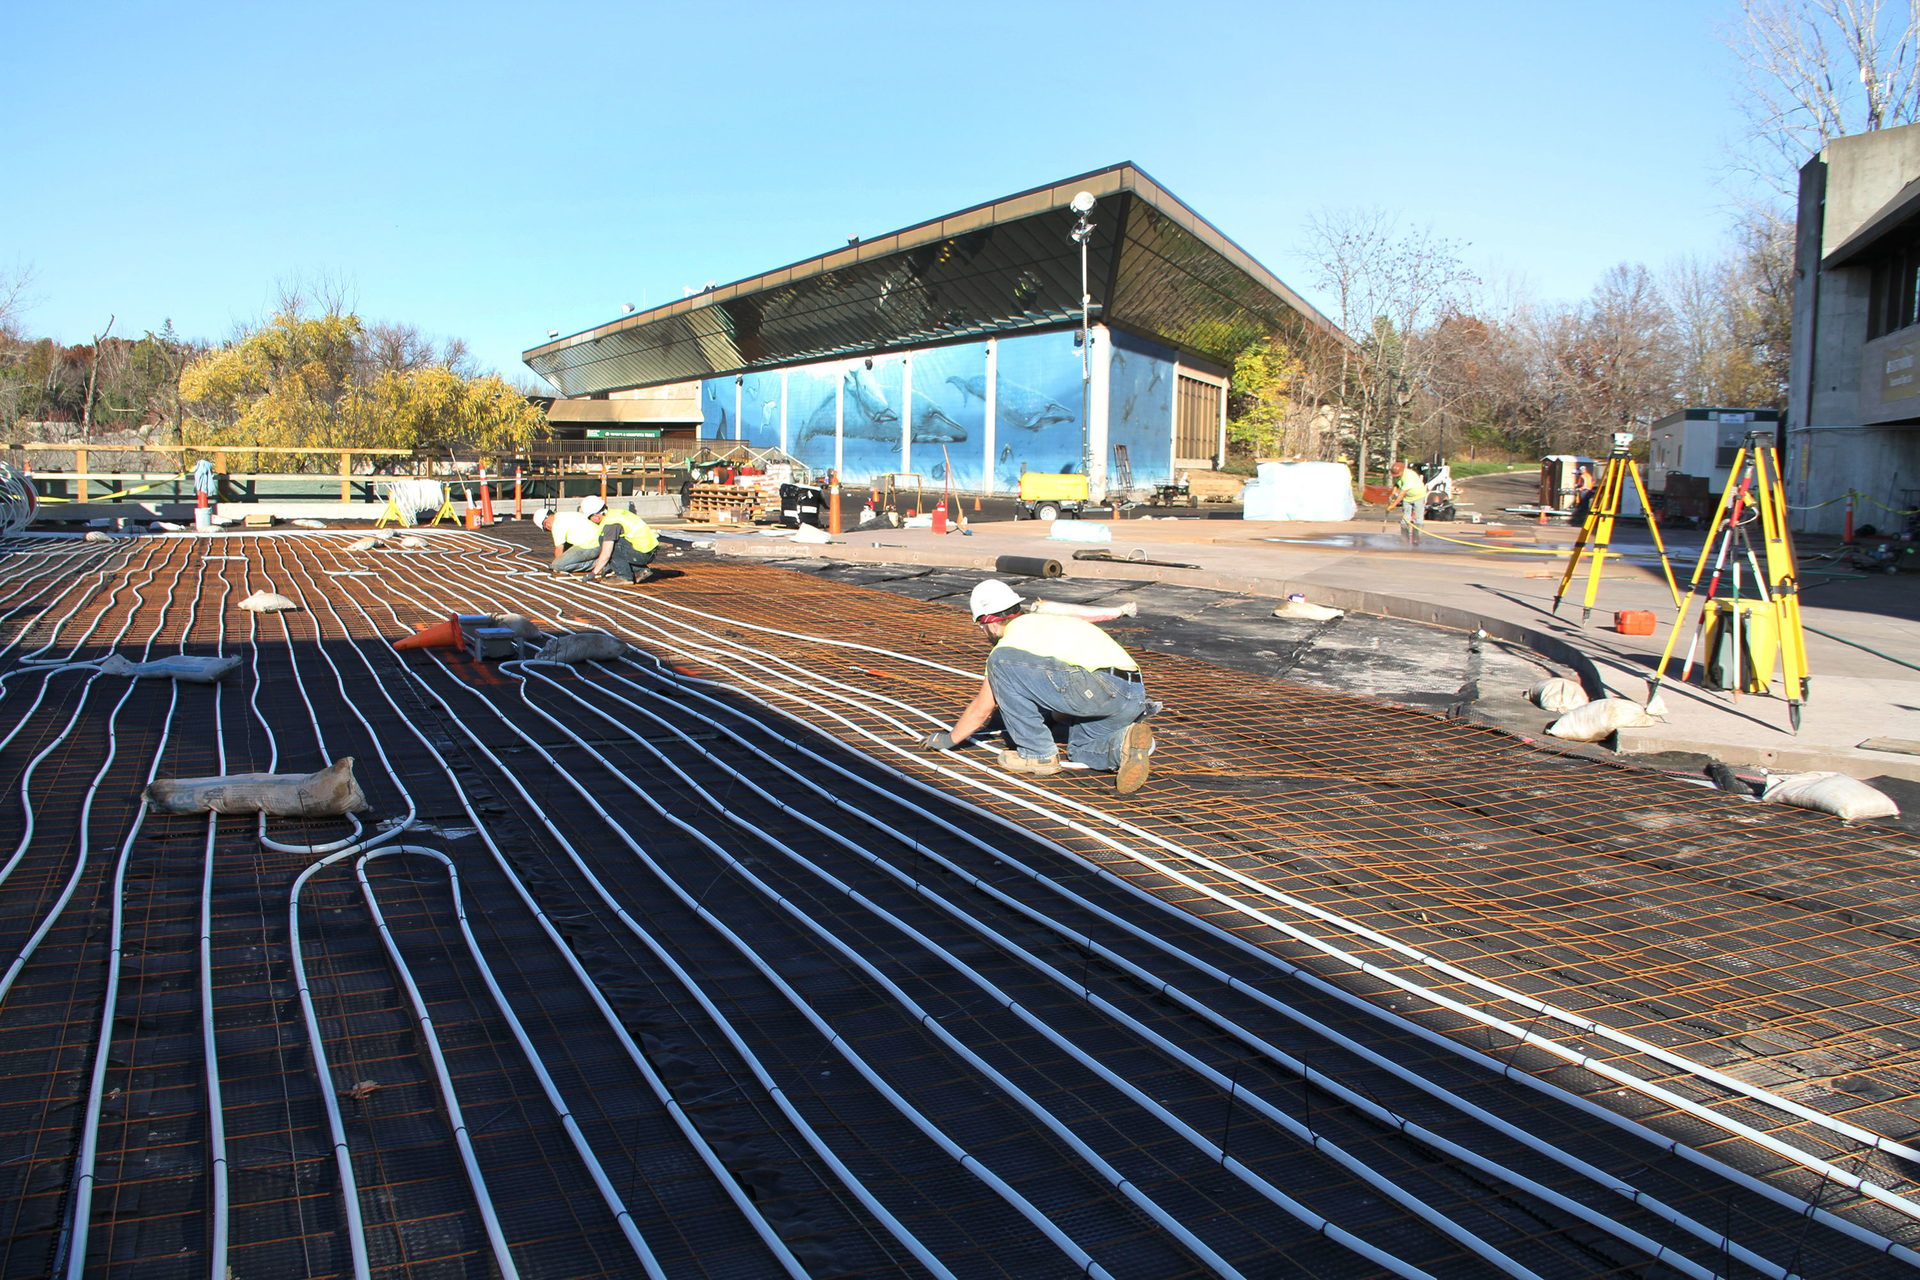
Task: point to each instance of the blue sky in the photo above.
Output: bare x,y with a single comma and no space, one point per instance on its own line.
493,171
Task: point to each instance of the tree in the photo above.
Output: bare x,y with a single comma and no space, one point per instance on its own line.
319,377
1815,70
1260,399
1389,285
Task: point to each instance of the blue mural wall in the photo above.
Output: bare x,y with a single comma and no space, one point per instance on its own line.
811,414
1036,407
1036,427
950,414
1140,382
716,409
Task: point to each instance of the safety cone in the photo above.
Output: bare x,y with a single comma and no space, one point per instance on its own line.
441,635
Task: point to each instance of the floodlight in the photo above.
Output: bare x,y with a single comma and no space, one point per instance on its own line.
1082,203
553,333
626,308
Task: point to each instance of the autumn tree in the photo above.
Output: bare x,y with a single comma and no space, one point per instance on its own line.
1261,400
319,377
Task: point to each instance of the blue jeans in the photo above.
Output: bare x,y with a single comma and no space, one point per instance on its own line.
576,559
1096,706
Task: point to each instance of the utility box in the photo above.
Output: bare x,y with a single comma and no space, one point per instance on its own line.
1703,442
1759,644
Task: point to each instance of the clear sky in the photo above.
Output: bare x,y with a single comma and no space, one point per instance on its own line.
493,171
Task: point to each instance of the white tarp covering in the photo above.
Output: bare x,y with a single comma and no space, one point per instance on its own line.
1299,491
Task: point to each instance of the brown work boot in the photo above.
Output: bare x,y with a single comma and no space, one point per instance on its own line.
1014,762
1136,744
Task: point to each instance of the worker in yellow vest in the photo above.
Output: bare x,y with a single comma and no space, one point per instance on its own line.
1046,665
1410,495
576,534
627,544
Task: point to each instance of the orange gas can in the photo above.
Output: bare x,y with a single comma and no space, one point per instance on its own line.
1633,622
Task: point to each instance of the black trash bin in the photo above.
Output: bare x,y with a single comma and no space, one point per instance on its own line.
801,504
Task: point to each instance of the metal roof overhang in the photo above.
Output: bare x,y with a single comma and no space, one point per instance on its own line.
1154,267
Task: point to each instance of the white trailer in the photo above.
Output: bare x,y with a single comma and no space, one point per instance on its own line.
1703,442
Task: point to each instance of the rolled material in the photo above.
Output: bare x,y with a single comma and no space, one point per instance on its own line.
1028,567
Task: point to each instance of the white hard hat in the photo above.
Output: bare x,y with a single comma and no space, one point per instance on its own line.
992,598
545,517
592,504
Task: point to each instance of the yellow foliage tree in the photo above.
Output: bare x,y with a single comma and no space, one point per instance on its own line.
306,381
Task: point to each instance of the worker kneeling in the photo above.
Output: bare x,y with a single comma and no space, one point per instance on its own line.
627,544
1046,664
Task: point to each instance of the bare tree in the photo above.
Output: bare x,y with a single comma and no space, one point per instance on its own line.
1388,285
1816,70
93,374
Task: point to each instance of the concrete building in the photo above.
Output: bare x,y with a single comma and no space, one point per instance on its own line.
1853,414
952,350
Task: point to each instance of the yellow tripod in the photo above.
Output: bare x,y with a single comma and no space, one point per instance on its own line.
1597,529
1755,494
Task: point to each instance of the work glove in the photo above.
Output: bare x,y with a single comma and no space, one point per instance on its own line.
938,741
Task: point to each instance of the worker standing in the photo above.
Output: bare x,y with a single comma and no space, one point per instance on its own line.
1044,664
1583,489
627,544
1410,495
576,534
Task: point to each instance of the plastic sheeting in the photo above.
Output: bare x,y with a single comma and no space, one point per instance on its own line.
1299,491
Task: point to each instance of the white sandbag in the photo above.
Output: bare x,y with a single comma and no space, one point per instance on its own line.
1091,612
411,543
584,646
1558,695
1597,719
811,533
362,544
168,526
190,668
267,602
309,524
1848,799
1307,611
521,625
381,535
326,794
97,535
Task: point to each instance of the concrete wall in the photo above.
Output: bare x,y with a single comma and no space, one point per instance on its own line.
1844,399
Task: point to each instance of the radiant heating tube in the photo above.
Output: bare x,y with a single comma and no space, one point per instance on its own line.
926,1019
622,1216
1825,1168
578,603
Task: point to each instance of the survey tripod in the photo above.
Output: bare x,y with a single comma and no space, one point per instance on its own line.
1755,494
1596,530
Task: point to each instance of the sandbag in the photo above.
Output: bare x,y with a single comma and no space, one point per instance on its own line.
1307,611
1558,695
362,544
97,535
1599,718
521,625
327,794
411,542
1091,612
1848,799
308,524
191,669
584,646
267,602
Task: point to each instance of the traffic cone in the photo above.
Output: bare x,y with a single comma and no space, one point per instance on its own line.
440,635
486,499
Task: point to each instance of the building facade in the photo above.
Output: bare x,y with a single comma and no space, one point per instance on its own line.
953,350
1853,413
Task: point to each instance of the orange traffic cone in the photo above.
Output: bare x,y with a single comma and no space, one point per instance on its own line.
441,635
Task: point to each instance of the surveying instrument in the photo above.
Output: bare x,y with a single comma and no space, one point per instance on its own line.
1596,530
1755,494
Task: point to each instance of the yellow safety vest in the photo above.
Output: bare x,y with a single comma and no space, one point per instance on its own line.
571,529
1412,487
638,533
1074,641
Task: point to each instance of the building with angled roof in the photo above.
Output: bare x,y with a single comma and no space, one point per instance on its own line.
952,349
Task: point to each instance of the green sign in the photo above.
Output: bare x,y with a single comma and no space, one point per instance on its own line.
623,433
